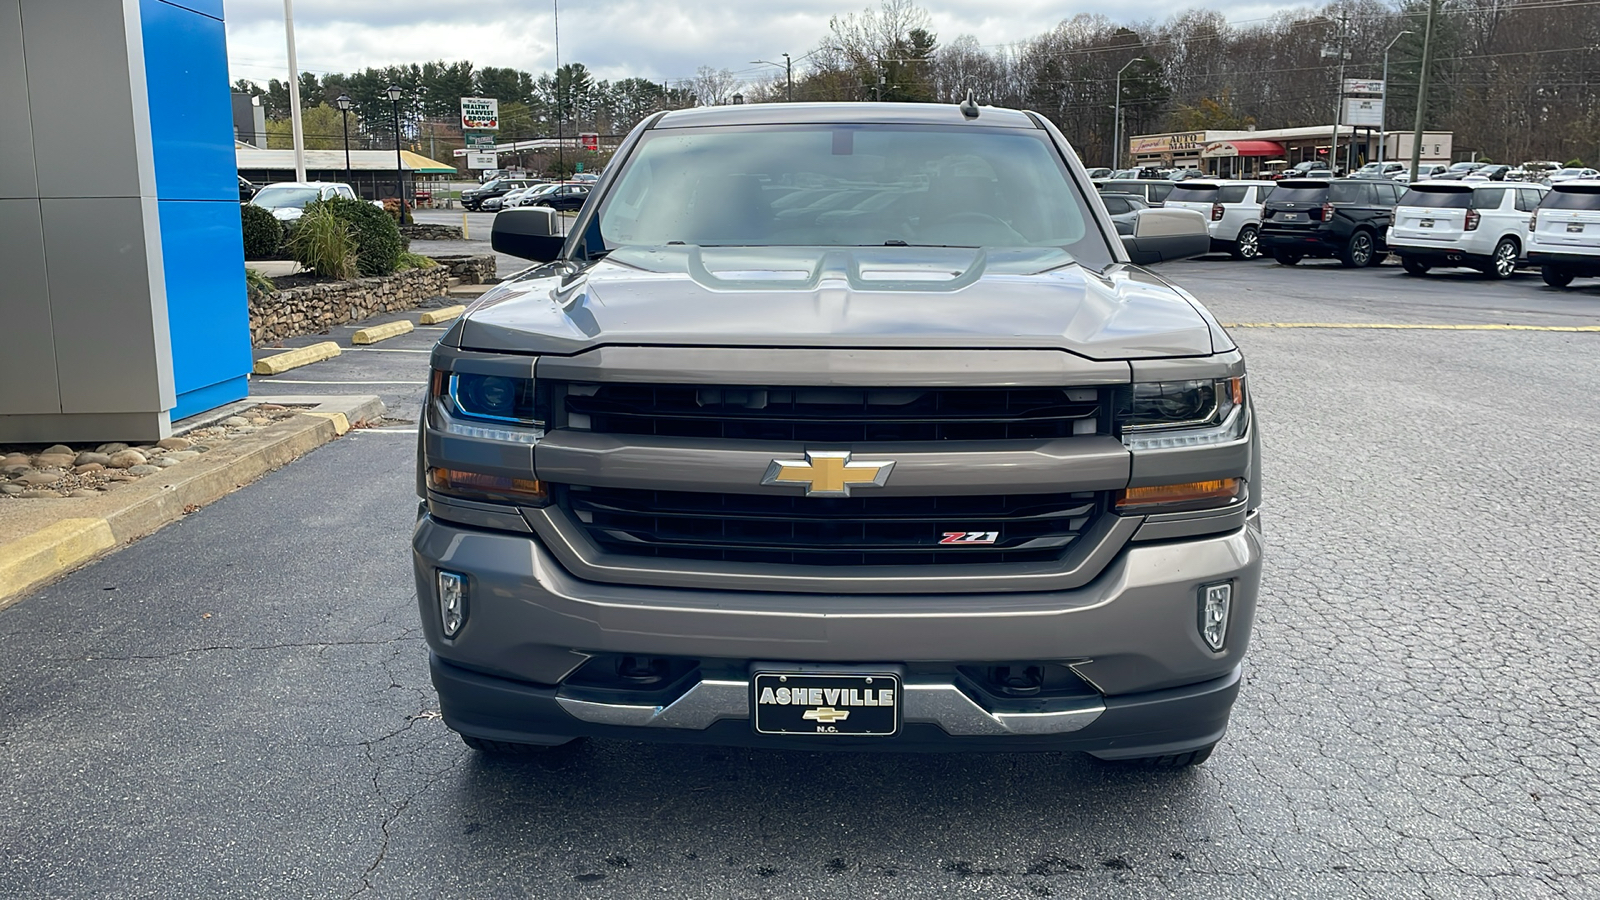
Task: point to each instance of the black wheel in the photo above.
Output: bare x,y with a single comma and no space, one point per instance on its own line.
506,748
1171,761
1357,251
1248,244
1503,264
1555,277
1414,266
1286,257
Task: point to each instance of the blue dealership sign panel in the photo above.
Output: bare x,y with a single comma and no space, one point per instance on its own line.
120,205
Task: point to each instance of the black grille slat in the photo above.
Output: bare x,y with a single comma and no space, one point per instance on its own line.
828,531
832,414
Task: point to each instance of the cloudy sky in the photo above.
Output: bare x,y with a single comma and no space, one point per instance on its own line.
656,39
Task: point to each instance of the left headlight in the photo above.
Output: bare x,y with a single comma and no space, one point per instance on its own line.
1160,415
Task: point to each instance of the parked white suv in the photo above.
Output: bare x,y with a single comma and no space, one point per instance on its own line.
1232,210
1480,225
1565,233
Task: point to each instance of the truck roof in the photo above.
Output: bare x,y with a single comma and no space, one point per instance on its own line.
842,114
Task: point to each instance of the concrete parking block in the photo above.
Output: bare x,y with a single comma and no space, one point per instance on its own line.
470,291
376,333
435,316
278,363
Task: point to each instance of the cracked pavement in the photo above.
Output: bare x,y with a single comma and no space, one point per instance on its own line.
1419,718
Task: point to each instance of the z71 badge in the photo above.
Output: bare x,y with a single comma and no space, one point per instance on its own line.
967,538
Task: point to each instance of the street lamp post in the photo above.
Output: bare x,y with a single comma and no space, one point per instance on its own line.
344,103
1116,120
788,73
1422,90
1383,123
394,93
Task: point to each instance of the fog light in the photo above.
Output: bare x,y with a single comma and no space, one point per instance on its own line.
452,602
1216,601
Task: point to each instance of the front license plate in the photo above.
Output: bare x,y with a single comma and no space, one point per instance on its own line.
828,705
1574,227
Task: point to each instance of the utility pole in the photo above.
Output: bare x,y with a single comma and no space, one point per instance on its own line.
788,75
1422,90
561,149
294,95
1383,137
1116,119
1338,91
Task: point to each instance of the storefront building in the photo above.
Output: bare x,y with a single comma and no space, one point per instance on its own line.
1258,152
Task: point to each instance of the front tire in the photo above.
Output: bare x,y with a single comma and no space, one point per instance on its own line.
1555,277
1414,267
1503,264
1247,245
1357,251
1286,257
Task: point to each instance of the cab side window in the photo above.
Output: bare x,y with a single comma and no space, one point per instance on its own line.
1488,198
1527,199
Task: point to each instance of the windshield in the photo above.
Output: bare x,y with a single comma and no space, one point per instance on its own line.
836,185
284,197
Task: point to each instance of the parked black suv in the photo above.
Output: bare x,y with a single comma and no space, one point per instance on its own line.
1154,191
1326,218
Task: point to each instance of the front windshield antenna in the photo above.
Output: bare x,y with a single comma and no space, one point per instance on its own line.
969,106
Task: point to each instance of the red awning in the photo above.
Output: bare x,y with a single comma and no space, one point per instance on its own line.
1242,148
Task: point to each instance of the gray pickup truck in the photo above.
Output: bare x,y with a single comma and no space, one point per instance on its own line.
845,426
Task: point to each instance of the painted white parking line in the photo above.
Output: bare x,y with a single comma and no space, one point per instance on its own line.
383,350
288,381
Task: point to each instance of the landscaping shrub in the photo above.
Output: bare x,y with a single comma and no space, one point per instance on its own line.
1574,163
324,242
377,237
409,260
256,284
263,234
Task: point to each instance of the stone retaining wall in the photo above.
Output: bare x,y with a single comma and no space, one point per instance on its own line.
315,308
471,269
431,232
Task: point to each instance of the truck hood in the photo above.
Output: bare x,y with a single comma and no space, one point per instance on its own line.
839,297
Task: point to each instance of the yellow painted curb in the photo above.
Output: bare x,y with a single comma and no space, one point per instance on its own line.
381,332
49,552
1398,326
340,423
278,363
435,316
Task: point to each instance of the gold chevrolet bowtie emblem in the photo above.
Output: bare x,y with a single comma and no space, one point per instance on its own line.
828,473
826,715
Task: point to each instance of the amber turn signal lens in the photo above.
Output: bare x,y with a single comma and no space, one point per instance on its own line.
477,485
1195,494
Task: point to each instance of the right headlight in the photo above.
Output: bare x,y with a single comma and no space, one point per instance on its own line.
1162,415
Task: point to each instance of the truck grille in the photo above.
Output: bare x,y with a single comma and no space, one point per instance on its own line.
833,414
829,531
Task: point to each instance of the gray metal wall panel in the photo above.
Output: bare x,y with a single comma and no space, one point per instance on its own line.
17,177
27,349
86,91
108,302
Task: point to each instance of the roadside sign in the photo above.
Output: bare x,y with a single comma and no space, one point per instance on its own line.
590,141
482,160
1362,86
1363,111
480,112
580,167
480,141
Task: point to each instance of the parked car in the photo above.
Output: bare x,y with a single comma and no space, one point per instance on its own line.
1534,170
1232,210
1455,170
1381,170
586,177
1458,223
246,190
1564,239
1124,210
564,197
1099,173
1153,190
474,198
510,198
287,200
1571,174
1310,168
826,514
1487,173
1184,174
1345,218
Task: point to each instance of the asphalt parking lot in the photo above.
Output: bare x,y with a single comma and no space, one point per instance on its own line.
239,705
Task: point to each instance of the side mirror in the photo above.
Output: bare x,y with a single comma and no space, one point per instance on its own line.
530,232
1162,235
